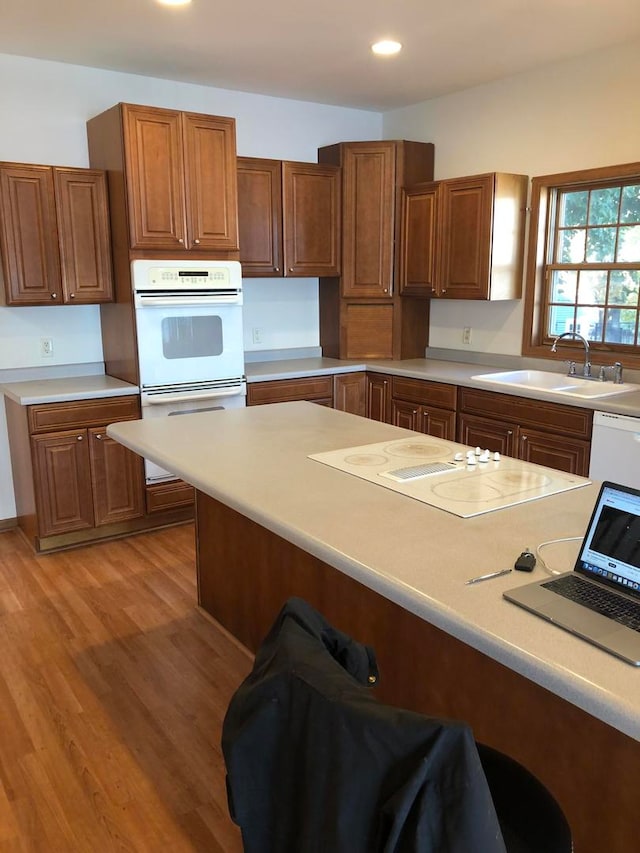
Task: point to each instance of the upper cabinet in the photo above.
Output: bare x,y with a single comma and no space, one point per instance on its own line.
288,218
464,238
54,235
362,314
180,191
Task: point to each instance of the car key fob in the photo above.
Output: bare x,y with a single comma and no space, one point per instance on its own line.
525,562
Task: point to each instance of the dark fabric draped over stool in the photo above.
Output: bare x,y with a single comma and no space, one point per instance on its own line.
315,764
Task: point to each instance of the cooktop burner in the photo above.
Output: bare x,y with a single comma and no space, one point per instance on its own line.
463,486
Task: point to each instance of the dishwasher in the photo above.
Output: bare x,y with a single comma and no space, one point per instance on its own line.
615,449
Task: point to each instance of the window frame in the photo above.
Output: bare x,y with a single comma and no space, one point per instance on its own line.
543,195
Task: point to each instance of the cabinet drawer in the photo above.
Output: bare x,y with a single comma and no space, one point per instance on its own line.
284,390
553,417
165,496
82,413
424,392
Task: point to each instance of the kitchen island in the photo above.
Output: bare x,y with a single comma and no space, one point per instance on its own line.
391,571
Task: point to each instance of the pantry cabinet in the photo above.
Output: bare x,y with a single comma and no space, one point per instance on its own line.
289,217
362,315
54,235
463,238
72,482
549,434
180,190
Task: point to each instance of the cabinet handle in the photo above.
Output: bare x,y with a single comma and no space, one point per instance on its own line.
54,295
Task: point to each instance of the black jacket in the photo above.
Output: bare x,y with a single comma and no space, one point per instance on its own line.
316,765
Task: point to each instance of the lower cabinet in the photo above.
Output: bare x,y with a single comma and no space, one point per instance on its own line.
548,434
379,397
316,389
424,406
73,484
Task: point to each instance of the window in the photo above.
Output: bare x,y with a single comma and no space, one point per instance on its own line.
583,271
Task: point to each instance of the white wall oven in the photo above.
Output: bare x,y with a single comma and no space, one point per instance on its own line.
189,337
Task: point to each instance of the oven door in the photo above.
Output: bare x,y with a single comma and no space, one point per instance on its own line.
173,401
195,342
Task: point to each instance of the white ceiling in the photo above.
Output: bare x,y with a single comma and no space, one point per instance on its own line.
319,51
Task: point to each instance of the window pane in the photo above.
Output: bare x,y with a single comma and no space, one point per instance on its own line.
624,286
571,245
630,207
621,326
629,244
604,206
573,209
601,243
561,319
592,287
564,285
589,323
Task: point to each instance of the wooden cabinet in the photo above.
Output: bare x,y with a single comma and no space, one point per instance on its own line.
350,392
54,235
72,482
379,397
317,389
464,238
362,314
549,434
175,175
289,217
424,406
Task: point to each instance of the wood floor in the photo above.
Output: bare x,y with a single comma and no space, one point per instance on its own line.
113,687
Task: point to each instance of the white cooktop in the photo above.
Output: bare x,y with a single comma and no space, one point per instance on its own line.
462,489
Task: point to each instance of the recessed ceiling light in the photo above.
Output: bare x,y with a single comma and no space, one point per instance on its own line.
174,2
386,47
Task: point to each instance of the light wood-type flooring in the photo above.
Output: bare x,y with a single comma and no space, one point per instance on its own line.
113,687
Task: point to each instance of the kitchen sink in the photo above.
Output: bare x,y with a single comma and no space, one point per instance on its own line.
542,380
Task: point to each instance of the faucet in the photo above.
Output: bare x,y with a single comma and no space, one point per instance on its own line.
586,370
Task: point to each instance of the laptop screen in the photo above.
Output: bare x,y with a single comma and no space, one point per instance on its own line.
610,551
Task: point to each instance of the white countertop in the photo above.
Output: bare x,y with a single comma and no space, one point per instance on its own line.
255,460
67,388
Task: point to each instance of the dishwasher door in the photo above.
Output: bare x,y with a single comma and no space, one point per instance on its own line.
615,449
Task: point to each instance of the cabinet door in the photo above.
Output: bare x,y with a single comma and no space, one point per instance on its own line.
210,181
350,393
488,434
438,422
418,240
465,237
29,235
260,216
406,415
62,475
311,219
553,451
379,397
368,182
155,178
117,479
83,233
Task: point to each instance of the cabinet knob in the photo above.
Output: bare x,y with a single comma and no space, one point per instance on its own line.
99,436
72,296
385,290
180,240
290,269
276,269
54,295
196,242
509,432
79,437
524,438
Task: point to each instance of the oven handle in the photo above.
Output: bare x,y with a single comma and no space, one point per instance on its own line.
161,301
190,395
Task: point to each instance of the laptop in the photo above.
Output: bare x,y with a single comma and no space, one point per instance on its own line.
599,600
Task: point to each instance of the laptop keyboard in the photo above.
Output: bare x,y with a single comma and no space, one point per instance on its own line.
598,599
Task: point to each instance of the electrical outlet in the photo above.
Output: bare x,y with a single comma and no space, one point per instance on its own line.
466,335
46,347
256,335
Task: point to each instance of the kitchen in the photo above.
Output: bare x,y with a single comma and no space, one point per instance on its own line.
45,106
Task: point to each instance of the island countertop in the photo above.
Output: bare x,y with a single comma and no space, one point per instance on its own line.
256,461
